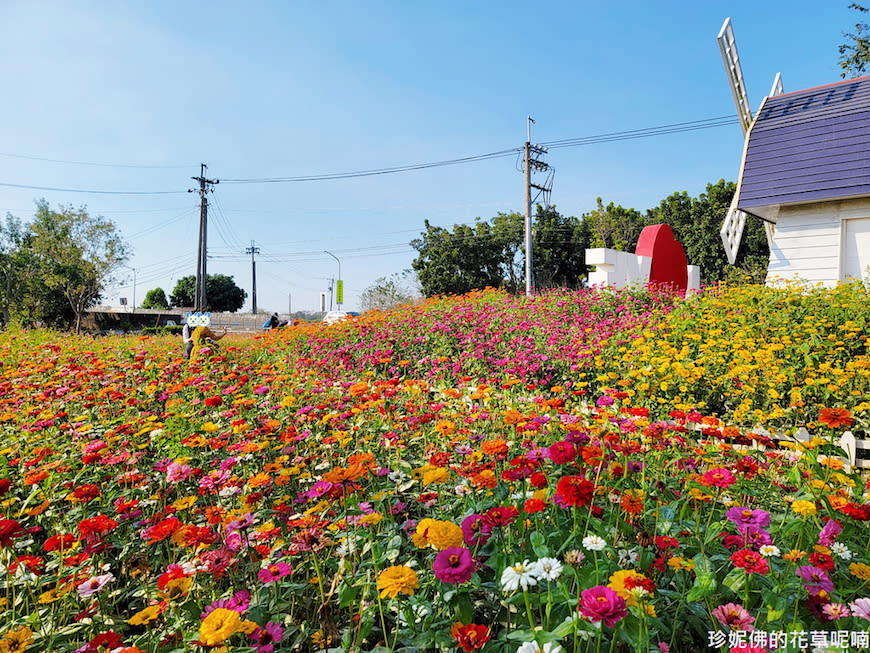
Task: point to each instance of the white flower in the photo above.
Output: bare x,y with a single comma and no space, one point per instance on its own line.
398,476
627,557
593,543
547,569
347,546
769,551
520,574
533,647
462,490
841,551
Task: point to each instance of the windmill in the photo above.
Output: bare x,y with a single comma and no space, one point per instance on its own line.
735,220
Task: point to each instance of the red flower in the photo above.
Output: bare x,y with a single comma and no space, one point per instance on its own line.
751,561
562,453
58,542
5,484
575,490
161,530
91,529
822,561
538,480
531,506
835,418
501,515
214,401
9,530
470,637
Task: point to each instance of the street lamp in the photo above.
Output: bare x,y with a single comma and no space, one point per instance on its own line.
338,304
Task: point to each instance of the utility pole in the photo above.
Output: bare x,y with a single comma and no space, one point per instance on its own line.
200,299
253,250
530,161
331,286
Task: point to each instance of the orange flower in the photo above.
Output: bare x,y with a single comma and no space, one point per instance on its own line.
496,448
835,418
632,501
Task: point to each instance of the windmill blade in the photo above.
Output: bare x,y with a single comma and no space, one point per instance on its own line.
732,231
776,89
728,48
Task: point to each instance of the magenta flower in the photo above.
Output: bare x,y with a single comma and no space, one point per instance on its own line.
745,517
274,571
475,530
239,602
829,532
562,453
600,603
719,477
264,639
734,617
815,579
453,565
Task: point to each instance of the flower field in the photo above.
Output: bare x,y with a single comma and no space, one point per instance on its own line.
574,472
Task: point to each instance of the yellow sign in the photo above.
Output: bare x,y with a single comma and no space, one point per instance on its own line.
339,292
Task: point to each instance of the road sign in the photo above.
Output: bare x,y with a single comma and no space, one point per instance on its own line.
339,291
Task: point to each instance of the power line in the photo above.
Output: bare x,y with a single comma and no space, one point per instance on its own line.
94,192
89,163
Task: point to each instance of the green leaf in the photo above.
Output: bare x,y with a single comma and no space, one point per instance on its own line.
705,584
735,580
539,544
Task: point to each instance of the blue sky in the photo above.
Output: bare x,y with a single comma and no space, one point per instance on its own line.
277,89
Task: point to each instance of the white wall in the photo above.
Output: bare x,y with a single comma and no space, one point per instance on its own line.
809,240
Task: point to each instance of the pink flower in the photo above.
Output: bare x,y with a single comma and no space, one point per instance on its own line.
747,648
744,517
719,477
834,611
175,473
861,608
600,603
265,638
734,617
274,571
453,565
94,585
830,532
815,579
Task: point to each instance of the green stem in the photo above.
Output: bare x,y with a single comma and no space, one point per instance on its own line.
529,610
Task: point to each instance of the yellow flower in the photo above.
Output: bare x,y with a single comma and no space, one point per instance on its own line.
184,503
52,595
626,583
677,563
144,616
247,627
435,475
16,640
444,534
399,579
860,570
218,625
176,588
372,518
794,555
802,507
419,538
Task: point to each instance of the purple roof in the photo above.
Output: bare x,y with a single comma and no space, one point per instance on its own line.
808,146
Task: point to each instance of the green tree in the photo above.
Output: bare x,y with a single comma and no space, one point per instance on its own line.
855,52
388,292
155,299
73,255
222,293
613,226
559,249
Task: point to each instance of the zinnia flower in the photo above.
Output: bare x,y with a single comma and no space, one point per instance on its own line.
521,574
829,532
743,517
475,530
575,491
835,418
218,626
547,569
534,647
834,611
600,603
752,562
861,608
734,617
470,637
593,543
265,638
274,571
453,565
719,477
815,579
398,579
